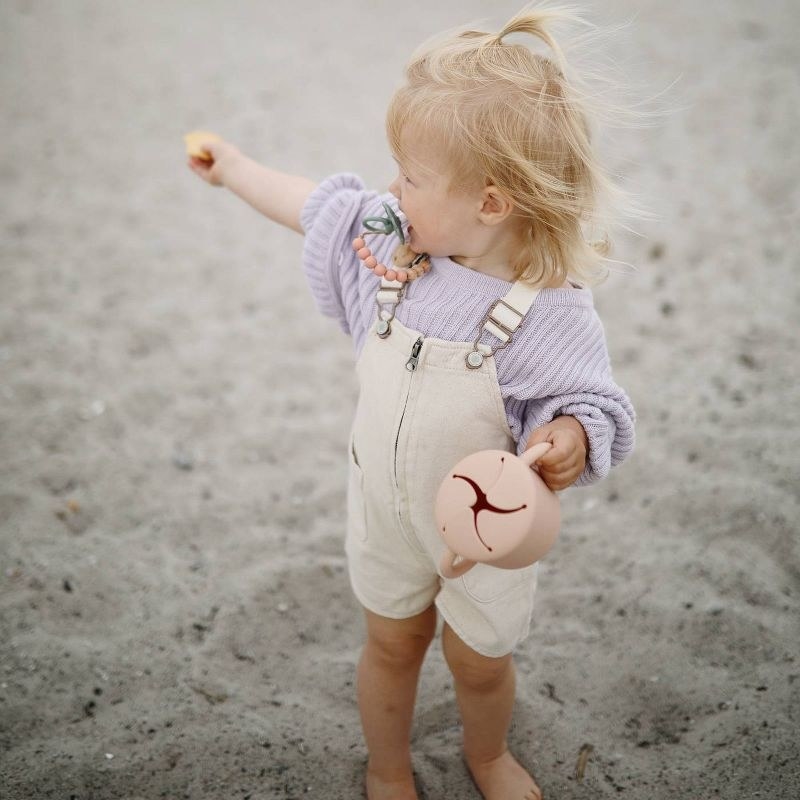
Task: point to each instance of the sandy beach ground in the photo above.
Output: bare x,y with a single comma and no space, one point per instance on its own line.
175,617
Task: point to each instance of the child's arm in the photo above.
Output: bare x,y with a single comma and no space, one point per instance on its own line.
276,195
563,464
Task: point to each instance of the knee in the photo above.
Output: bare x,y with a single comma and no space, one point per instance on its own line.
401,651
472,670
401,646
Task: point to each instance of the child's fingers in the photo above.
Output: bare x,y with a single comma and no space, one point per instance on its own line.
207,152
563,464
203,169
560,462
565,447
564,475
199,171
565,471
198,162
539,436
558,483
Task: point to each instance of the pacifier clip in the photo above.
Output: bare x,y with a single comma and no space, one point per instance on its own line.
407,265
390,294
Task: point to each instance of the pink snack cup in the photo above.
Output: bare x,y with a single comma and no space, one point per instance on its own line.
494,508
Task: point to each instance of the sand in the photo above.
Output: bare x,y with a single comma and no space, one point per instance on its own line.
175,616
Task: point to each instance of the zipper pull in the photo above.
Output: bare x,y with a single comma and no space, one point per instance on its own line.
411,364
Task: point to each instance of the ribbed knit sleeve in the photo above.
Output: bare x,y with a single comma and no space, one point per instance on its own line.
327,218
572,377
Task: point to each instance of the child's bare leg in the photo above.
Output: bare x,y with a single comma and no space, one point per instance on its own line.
485,693
387,687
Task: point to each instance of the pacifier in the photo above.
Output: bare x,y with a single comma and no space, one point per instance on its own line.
407,265
494,508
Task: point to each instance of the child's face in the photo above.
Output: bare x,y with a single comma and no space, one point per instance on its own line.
442,220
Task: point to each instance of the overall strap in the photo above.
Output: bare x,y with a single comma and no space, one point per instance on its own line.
507,313
502,320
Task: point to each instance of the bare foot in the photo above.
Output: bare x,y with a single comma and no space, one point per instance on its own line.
504,778
395,789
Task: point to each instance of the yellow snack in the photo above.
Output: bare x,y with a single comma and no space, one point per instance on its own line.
195,139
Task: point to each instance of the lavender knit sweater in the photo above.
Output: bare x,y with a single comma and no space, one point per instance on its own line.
557,362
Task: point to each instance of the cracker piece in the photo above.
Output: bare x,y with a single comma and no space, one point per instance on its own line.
195,139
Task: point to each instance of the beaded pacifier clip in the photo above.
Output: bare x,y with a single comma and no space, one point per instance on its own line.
406,264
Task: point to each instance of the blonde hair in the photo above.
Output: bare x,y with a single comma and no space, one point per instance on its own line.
508,116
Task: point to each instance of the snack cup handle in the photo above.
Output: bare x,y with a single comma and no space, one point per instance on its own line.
533,454
450,569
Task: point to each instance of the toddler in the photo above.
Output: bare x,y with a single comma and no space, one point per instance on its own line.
464,292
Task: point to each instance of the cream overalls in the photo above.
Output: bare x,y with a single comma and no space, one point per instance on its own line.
420,410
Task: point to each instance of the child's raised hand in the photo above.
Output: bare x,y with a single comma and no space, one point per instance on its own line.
209,156
562,465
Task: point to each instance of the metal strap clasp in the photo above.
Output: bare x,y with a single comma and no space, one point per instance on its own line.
501,320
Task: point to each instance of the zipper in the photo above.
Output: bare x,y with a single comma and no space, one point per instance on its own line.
412,362
411,365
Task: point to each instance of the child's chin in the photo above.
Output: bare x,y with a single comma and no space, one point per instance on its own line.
414,242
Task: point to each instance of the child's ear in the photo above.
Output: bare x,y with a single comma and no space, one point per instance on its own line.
496,205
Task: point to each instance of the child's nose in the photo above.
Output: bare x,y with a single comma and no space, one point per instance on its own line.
394,188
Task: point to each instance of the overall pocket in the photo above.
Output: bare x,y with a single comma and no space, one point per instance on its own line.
485,583
356,509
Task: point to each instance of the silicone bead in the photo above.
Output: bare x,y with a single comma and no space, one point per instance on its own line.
402,258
